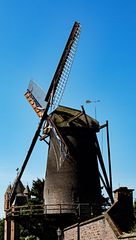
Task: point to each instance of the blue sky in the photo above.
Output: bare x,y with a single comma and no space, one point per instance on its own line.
32,37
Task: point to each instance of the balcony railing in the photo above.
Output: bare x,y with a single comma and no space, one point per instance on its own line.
28,210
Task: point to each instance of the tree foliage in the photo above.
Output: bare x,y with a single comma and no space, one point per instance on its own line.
1,229
37,191
34,227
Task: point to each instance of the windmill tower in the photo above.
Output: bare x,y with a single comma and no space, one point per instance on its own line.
72,174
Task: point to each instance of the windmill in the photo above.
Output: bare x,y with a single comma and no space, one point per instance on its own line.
72,172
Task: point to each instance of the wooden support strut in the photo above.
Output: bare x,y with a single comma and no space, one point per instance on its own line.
107,185
108,146
109,157
98,152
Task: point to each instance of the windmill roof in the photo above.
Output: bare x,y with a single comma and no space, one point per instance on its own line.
64,116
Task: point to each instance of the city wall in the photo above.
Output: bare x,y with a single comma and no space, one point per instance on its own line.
100,228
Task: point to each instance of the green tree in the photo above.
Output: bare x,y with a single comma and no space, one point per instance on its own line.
1,229
37,191
34,226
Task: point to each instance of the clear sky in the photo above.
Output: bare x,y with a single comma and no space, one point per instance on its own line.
32,37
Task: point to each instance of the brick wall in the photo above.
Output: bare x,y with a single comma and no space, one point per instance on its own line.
100,228
71,232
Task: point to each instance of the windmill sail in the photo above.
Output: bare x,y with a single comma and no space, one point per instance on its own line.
36,97
61,75
53,95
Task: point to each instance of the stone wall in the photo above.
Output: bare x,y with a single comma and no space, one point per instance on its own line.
131,236
100,228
